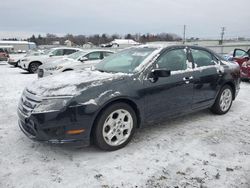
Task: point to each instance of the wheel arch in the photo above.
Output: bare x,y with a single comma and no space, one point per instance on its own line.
232,85
131,103
36,61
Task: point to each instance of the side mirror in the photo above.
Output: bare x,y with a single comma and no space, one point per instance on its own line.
82,59
157,73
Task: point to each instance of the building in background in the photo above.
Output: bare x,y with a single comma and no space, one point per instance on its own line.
17,46
121,43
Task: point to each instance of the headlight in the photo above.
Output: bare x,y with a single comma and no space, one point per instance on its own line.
51,104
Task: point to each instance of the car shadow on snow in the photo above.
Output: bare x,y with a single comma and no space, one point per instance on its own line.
26,72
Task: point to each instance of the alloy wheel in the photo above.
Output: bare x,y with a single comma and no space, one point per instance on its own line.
117,127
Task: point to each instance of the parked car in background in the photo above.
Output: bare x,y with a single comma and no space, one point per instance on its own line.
129,89
241,57
32,62
78,60
14,59
245,71
4,55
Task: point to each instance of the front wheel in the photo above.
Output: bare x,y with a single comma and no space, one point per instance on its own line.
115,127
33,67
223,101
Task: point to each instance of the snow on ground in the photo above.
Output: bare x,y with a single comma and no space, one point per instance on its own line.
197,150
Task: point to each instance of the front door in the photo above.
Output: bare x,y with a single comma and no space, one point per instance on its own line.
172,95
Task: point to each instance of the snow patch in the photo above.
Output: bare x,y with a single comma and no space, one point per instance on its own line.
70,83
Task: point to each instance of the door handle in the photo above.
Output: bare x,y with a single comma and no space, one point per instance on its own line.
188,79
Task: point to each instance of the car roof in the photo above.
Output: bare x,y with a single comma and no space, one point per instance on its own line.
173,45
70,48
97,50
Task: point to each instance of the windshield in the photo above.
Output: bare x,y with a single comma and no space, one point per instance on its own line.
47,52
34,53
125,61
76,55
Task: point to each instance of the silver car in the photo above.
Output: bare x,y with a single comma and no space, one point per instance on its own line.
78,60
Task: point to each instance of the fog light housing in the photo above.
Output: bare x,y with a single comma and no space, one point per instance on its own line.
75,131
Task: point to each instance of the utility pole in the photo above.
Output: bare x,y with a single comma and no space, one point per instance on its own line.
222,34
222,38
184,34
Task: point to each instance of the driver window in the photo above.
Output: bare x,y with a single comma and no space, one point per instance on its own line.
94,56
58,52
173,60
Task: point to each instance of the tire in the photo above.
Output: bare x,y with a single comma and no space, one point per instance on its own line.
223,101
33,67
115,127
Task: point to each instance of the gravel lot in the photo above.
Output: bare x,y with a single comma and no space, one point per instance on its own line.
198,150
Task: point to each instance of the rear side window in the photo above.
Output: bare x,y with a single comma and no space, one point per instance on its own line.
173,60
202,58
69,51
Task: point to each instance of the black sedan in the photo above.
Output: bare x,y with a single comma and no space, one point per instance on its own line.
137,86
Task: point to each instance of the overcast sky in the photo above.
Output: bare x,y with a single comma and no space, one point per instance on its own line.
204,18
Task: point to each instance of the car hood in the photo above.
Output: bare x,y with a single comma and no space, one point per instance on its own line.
36,56
71,83
61,61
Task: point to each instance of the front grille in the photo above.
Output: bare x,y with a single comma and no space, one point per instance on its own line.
40,73
28,102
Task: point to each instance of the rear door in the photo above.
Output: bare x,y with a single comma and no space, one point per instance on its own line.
206,75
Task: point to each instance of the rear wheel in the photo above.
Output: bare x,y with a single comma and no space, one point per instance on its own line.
223,101
115,127
33,67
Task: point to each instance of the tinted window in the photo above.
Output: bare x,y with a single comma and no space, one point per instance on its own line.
68,51
202,58
173,60
94,56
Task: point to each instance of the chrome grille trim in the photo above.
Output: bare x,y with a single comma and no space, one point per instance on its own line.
28,102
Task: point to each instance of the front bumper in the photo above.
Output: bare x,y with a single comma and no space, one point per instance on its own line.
13,62
54,126
245,73
3,58
54,133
